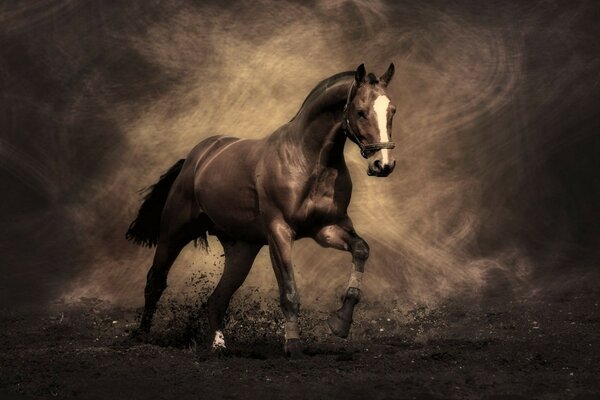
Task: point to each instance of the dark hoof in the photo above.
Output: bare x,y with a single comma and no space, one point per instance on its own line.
220,351
339,327
294,349
139,336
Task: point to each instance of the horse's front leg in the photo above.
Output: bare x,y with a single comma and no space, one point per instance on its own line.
343,237
281,237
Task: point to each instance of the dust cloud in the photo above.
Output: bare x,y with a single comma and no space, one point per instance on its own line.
496,187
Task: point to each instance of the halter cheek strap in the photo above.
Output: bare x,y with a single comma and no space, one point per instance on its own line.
365,149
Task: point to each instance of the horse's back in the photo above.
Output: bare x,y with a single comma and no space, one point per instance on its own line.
208,147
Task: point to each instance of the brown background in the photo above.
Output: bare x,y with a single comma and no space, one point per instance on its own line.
497,186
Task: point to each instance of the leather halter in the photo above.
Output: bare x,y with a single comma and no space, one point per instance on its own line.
365,149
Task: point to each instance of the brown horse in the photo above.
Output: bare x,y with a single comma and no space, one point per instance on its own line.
289,185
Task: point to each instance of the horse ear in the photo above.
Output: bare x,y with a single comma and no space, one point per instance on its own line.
387,76
360,74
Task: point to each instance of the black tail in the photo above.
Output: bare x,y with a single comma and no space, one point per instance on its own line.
145,228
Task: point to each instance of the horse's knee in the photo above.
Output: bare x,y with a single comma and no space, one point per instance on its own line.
360,250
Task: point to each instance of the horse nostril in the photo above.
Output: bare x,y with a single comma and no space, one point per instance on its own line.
377,164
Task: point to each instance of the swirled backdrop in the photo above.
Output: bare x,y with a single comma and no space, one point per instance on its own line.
497,187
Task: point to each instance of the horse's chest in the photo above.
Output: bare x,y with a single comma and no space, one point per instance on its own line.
326,200
320,208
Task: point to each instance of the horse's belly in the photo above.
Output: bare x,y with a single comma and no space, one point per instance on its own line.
226,193
234,213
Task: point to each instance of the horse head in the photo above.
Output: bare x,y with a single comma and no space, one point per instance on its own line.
368,115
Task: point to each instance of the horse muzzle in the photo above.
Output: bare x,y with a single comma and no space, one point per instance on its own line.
380,169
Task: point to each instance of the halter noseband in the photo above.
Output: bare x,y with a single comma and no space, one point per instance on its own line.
365,149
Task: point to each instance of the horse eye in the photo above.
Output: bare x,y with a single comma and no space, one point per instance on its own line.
362,114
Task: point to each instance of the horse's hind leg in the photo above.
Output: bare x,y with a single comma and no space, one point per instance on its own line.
156,281
177,230
239,257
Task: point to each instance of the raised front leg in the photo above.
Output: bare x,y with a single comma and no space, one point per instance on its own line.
280,238
343,237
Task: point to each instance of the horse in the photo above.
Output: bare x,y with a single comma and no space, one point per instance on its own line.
272,191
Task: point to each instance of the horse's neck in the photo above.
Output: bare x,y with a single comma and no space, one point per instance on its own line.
319,127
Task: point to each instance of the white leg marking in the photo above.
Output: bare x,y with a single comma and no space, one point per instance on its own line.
218,341
355,279
292,331
380,106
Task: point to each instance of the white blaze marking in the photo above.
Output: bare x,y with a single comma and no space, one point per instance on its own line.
218,341
380,107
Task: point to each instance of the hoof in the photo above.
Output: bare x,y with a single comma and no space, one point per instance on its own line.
139,336
294,349
339,326
218,345
220,351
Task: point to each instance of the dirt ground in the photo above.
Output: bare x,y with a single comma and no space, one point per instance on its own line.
546,348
